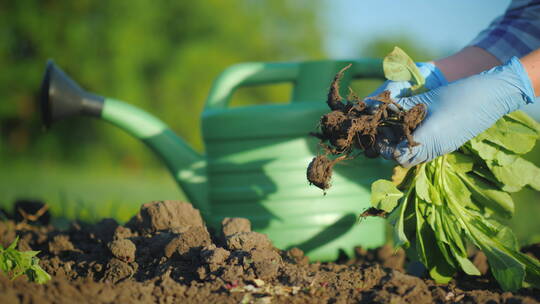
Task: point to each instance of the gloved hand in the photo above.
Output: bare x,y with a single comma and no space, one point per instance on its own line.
461,110
432,74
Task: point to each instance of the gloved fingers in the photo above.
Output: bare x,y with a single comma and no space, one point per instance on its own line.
386,141
461,110
385,149
396,89
375,107
400,152
410,156
391,148
425,98
371,104
434,76
435,136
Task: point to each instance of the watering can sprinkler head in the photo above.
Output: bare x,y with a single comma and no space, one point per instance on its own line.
61,97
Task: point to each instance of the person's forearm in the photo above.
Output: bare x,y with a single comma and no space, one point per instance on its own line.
531,63
473,60
469,61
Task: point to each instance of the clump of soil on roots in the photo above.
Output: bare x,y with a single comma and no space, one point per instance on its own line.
166,254
353,126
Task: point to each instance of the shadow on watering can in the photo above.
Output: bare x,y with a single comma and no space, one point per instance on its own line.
335,230
256,156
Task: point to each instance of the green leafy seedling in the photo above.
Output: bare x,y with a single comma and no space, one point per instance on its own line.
461,197
398,66
14,263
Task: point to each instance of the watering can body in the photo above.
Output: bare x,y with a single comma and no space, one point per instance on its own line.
256,158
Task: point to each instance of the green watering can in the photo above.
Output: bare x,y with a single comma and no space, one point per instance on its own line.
256,156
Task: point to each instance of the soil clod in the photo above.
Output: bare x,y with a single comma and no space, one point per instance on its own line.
166,215
235,225
123,249
247,241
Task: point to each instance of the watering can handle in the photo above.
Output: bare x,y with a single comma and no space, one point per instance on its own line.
257,73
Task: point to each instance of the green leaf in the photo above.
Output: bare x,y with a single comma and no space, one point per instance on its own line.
457,246
486,174
509,266
424,236
517,174
532,269
13,245
508,271
459,162
397,218
432,252
442,230
442,272
485,150
385,195
506,237
486,195
14,263
431,182
36,274
467,266
512,135
524,119
452,229
398,66
423,185
29,254
456,193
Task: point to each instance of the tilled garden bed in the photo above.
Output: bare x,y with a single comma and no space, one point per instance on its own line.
166,254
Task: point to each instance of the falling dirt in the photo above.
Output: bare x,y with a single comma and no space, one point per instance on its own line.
165,254
319,171
372,211
352,126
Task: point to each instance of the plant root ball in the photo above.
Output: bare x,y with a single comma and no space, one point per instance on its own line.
353,125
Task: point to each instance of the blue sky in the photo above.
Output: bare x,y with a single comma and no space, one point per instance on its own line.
443,26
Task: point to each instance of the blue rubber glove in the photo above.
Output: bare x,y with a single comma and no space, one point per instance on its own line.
432,74
461,110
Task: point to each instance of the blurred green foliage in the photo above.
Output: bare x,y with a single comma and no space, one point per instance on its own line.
380,48
158,55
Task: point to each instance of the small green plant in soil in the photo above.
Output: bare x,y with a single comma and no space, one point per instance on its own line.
437,207
15,263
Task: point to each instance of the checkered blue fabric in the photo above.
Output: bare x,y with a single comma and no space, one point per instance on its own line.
516,33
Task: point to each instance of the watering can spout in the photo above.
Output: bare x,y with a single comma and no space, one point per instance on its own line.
61,97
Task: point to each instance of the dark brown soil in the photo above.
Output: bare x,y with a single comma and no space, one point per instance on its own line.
352,125
165,254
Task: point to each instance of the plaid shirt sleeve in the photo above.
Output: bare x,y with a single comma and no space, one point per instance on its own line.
516,33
